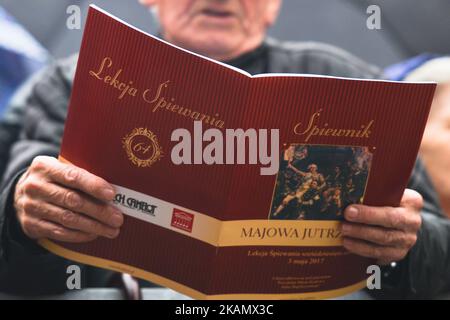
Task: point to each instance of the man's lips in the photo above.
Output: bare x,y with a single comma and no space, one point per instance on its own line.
217,13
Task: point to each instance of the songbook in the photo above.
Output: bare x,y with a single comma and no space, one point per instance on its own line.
233,186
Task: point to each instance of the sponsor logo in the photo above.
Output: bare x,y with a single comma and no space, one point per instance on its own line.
142,147
182,220
135,204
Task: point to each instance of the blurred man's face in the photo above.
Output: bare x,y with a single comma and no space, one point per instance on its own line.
220,29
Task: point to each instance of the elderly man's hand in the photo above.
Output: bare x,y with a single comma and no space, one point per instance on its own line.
383,233
66,203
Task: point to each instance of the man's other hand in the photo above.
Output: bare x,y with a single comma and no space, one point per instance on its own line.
62,202
383,233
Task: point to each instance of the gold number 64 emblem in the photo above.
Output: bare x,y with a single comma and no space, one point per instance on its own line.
142,147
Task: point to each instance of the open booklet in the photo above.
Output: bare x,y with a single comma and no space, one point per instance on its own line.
233,186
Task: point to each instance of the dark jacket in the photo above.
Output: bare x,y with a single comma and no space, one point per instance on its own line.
40,112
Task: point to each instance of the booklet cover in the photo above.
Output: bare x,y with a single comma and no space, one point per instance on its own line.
233,186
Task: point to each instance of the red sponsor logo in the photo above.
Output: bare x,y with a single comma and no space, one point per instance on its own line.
182,220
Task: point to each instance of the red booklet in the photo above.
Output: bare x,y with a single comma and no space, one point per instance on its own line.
233,186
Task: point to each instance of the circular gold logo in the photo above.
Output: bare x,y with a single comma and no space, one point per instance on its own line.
142,147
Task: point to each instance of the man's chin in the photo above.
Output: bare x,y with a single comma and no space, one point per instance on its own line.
215,46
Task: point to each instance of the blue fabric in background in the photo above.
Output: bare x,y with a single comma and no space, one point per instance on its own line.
400,71
20,56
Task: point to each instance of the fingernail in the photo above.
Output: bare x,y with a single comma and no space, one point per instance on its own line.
113,234
109,194
346,228
351,212
345,243
117,219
